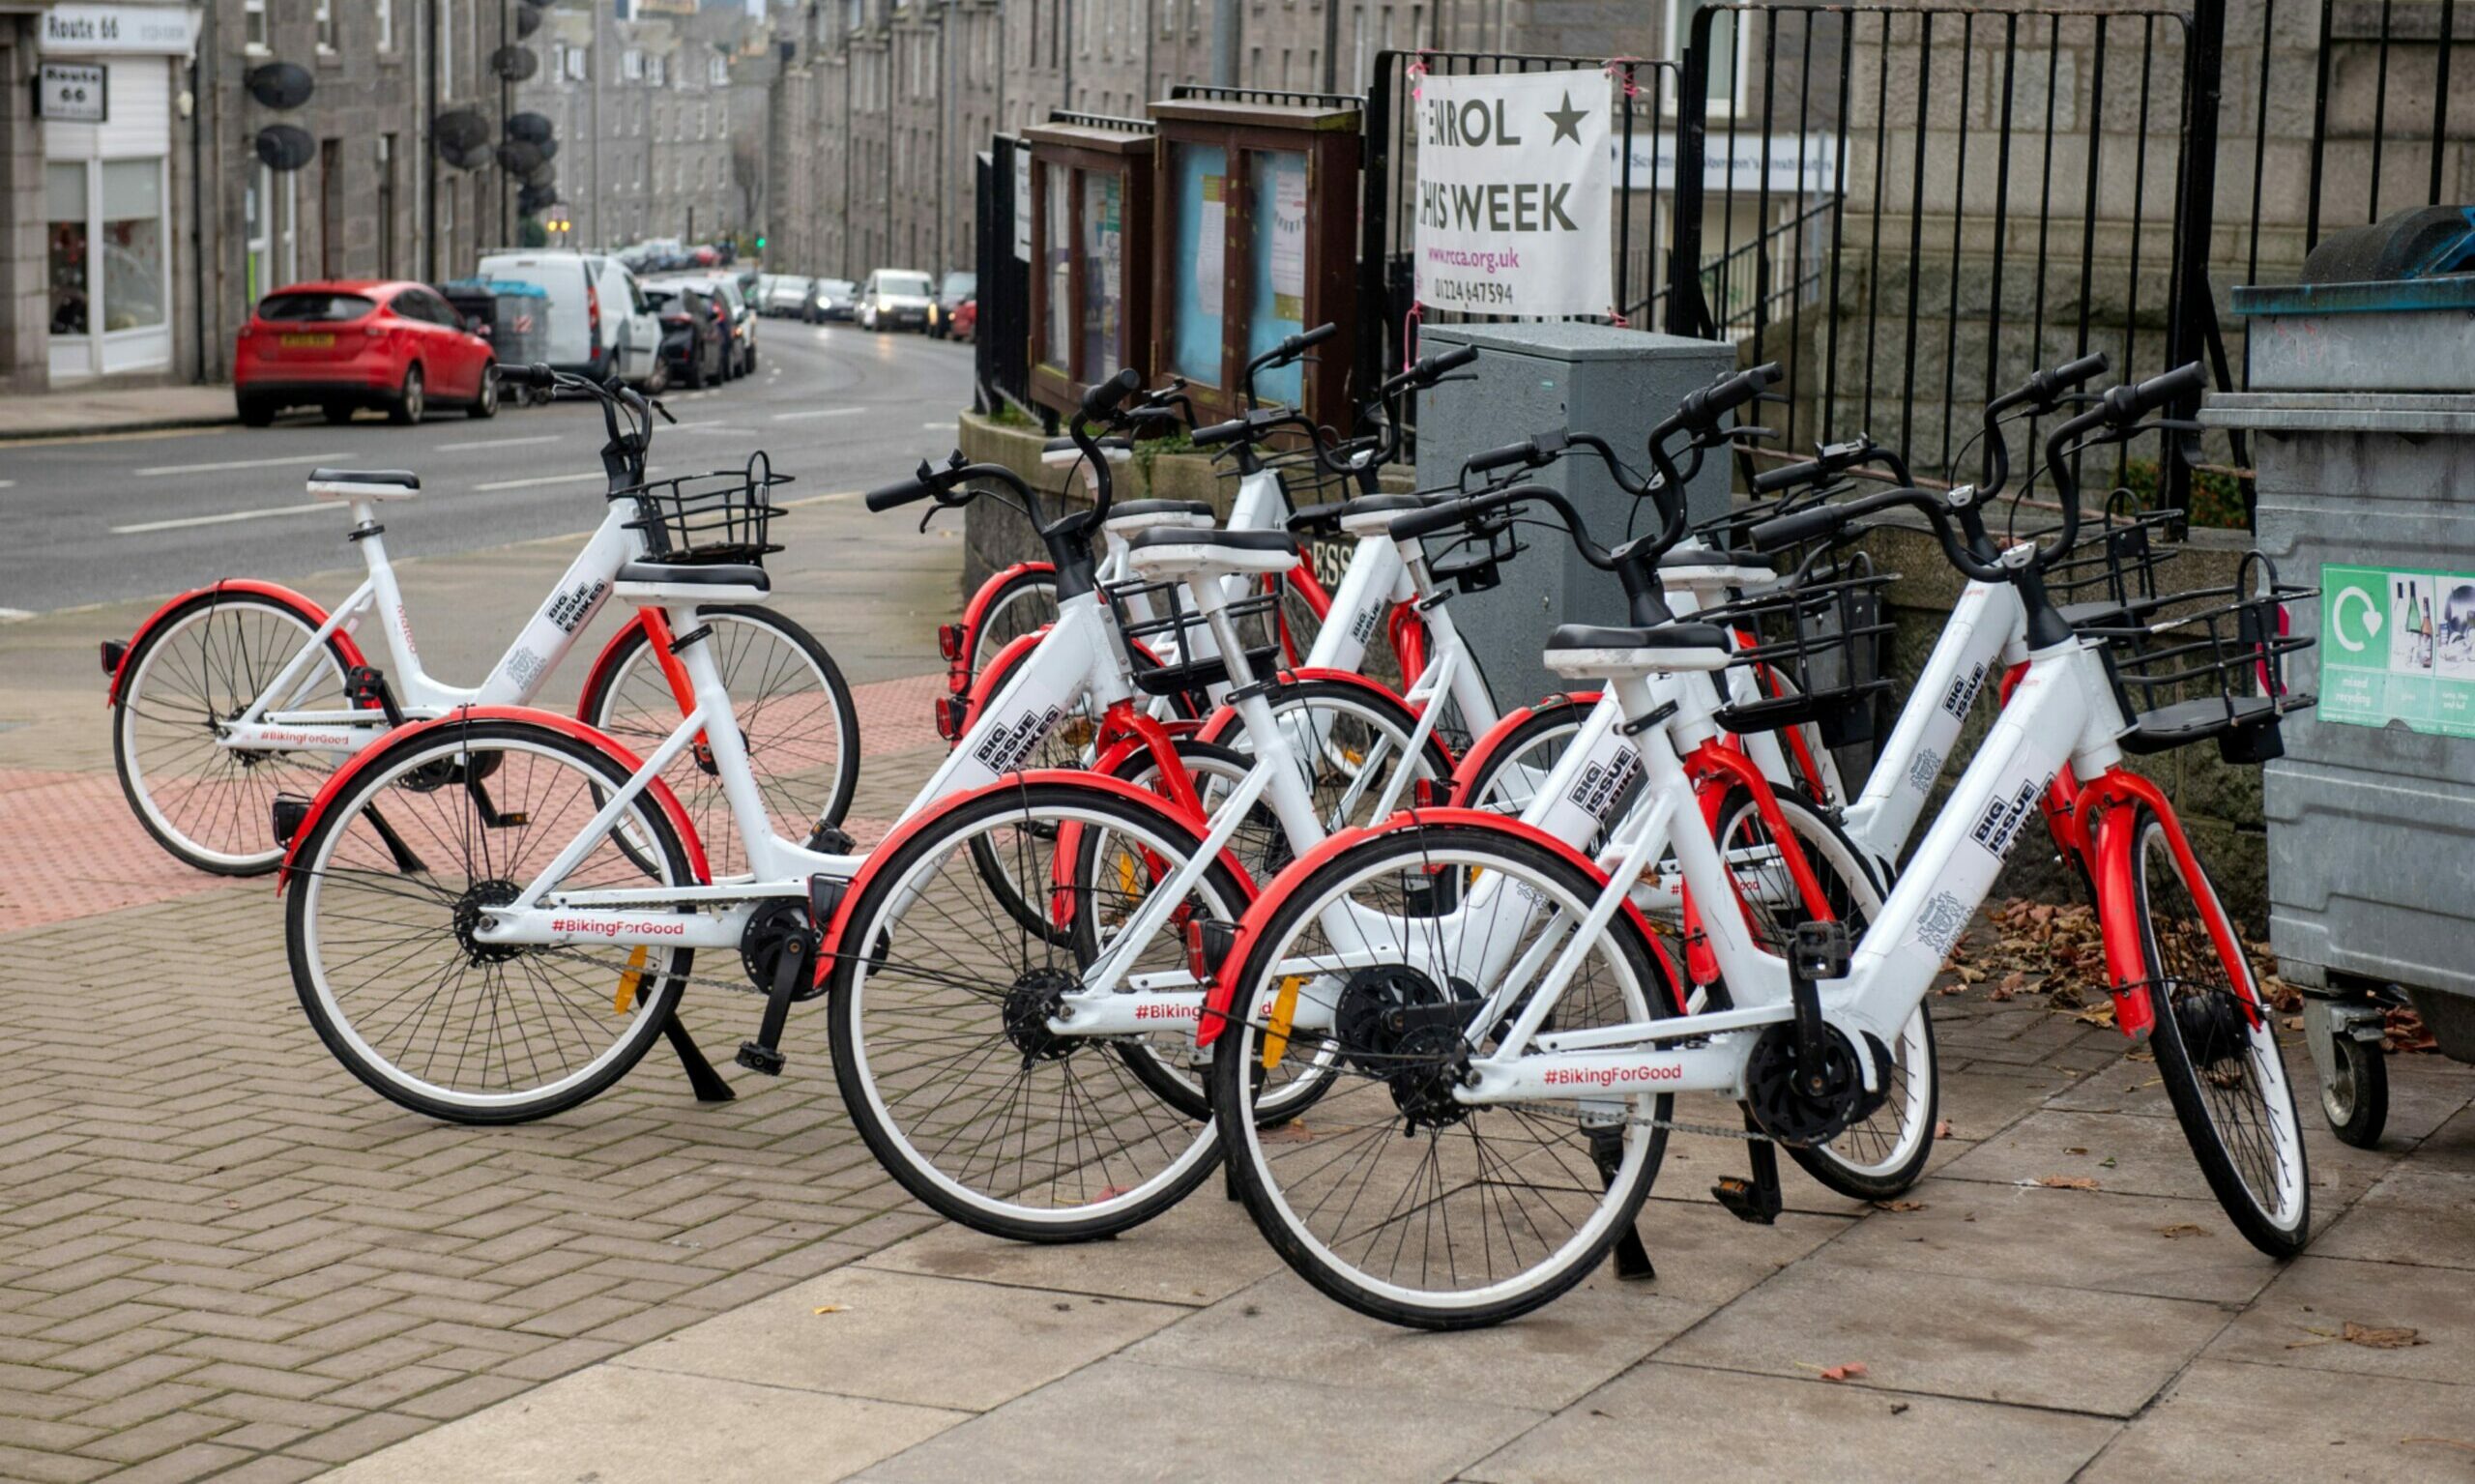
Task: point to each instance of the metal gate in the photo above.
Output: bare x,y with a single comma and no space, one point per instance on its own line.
1001,346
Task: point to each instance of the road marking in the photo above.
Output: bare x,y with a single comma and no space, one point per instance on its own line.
159,470
8,483
933,426
839,494
820,412
187,521
494,443
710,427
547,479
142,434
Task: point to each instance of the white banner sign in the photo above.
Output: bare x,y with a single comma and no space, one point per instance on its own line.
1787,164
90,30
1022,202
1513,195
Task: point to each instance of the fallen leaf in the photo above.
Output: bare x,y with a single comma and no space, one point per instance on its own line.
2105,1163
2015,981
1942,1130
829,1308
1896,1407
2075,1150
2372,1338
1899,1206
2067,1181
2180,1229
1853,1370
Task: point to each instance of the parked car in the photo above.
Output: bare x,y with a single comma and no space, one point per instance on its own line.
895,298
695,332
965,325
787,293
738,318
600,324
836,299
957,287
346,344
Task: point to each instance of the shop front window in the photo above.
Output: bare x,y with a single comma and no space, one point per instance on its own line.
1103,286
133,219
64,192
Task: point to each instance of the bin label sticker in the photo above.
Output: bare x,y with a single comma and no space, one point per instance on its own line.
2398,646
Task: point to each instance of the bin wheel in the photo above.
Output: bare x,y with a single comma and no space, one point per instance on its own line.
2354,1092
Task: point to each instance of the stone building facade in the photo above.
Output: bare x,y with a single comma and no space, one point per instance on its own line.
659,119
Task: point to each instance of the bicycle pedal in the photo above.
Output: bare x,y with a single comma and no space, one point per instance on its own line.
1746,1199
761,1058
366,687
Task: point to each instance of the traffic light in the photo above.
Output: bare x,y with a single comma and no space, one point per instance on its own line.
760,245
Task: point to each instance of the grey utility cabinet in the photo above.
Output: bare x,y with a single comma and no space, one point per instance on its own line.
1533,378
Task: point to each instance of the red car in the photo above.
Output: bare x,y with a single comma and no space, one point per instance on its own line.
965,325
346,345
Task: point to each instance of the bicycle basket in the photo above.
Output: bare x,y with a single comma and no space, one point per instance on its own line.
2210,664
1171,644
2110,576
708,519
1814,652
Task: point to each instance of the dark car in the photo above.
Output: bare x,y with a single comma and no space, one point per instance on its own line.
836,297
951,294
696,339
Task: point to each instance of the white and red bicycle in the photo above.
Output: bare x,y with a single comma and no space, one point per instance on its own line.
236,693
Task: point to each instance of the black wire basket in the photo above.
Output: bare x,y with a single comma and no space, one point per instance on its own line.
2210,664
1818,652
716,519
2110,577
1164,634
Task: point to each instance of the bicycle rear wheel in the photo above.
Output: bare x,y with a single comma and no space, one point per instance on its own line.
2216,1048
942,1043
1392,1197
389,882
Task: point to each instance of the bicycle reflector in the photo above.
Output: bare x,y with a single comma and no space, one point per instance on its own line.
289,811
949,641
1209,940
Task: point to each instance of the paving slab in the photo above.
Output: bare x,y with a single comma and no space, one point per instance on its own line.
2150,1156
619,1425
1706,1255
1282,1328
2068,1238
1984,1338
899,1337
1200,1427
2414,1216
1201,1251
2452,1146
1688,1422
2297,1322
2246,1424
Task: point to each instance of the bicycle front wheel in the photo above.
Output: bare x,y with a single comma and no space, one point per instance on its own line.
1392,1197
941,1003
794,710
389,886
2216,1048
205,665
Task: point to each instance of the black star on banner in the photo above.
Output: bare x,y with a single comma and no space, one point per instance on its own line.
1568,119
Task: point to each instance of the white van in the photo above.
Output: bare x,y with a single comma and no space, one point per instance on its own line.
599,323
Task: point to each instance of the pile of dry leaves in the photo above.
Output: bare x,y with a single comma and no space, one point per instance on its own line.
2055,951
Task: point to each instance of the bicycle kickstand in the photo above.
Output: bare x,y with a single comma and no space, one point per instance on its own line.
1632,1259
708,1083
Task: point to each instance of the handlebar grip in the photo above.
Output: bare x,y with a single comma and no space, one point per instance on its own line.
1452,359
1315,337
1419,524
1771,480
539,374
1219,433
1783,530
2126,405
1105,395
2072,373
1725,396
1505,457
917,486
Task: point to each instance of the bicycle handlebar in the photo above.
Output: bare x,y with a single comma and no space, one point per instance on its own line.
1829,461
1426,372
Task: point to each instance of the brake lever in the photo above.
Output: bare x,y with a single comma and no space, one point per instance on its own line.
654,403
1751,431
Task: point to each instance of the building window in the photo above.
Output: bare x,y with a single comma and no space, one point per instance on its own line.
717,71
325,14
631,65
253,29
382,17
1727,62
576,61
269,213
386,206
65,217
447,47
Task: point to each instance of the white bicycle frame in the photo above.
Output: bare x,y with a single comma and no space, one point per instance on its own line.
274,723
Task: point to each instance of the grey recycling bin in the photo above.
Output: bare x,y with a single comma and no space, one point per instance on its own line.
2361,422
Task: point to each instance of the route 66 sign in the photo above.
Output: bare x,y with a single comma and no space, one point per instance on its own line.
74,92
